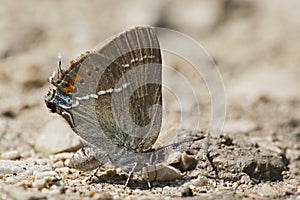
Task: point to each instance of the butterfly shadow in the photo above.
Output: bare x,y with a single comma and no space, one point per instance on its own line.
139,183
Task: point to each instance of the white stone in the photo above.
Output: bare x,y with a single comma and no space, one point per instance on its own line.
265,143
10,155
58,164
57,136
10,167
63,170
200,181
61,156
39,183
161,172
11,180
44,174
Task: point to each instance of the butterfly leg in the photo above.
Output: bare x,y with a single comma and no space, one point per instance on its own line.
147,176
89,178
214,168
130,173
96,171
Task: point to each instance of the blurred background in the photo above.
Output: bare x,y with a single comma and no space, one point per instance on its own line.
255,45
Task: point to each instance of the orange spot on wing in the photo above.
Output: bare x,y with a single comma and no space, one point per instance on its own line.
71,85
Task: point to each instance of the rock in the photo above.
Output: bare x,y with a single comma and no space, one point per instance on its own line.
22,167
10,155
266,190
17,192
57,137
265,143
63,170
186,192
58,164
39,184
41,175
268,168
12,179
182,161
200,181
102,196
161,172
61,157
188,162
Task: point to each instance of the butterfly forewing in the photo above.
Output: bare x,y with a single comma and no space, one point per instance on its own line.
113,95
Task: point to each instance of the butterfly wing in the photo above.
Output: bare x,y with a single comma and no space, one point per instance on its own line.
113,95
137,110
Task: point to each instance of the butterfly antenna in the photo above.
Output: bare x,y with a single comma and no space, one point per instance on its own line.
59,64
178,144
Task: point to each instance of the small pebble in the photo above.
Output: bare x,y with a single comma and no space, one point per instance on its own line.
11,180
91,193
136,192
61,156
10,155
158,190
27,154
200,181
44,174
67,162
111,172
221,189
245,179
266,190
49,139
187,192
63,170
161,172
39,184
187,162
53,187
35,161
102,196
55,191
58,164
25,183
45,190
215,184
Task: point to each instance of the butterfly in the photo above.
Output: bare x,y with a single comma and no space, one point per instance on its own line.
112,99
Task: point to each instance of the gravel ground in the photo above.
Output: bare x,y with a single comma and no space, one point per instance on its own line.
255,45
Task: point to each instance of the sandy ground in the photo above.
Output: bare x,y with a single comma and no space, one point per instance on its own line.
255,45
